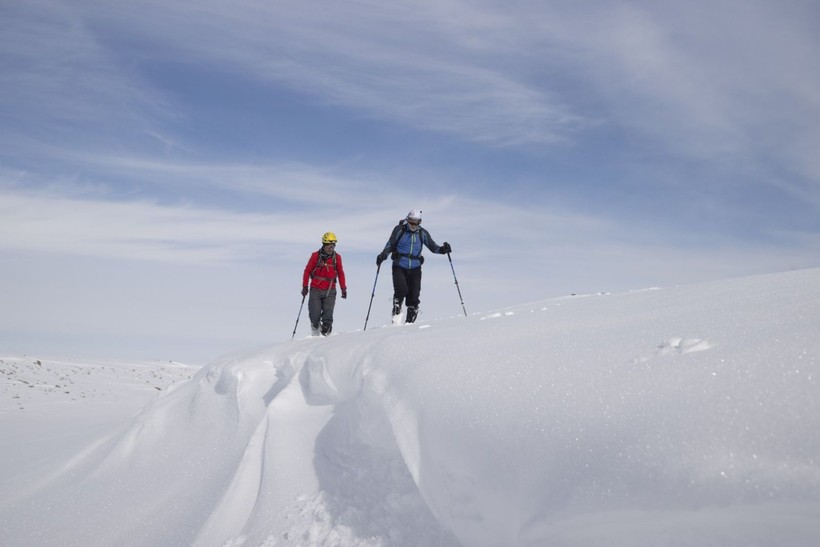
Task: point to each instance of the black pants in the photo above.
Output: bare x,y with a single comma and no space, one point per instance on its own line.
406,286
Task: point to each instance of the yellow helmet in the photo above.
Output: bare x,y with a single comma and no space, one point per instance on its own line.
329,237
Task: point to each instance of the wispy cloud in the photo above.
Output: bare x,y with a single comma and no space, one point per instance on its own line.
67,219
296,204
733,82
504,240
132,231
412,63
60,84
730,82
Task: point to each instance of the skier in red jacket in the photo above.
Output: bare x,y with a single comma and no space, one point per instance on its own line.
321,272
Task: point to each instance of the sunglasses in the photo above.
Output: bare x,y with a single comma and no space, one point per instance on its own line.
413,222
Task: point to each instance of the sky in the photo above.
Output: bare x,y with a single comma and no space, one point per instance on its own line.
683,416
166,169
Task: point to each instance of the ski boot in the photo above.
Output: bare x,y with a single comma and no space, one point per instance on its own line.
397,318
411,314
326,328
314,329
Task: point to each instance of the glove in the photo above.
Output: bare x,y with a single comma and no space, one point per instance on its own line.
380,258
344,293
304,291
446,248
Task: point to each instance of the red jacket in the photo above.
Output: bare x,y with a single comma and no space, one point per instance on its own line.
322,273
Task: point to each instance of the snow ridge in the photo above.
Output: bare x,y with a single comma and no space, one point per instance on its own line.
683,416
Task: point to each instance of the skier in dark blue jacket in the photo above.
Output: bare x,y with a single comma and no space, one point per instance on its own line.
404,247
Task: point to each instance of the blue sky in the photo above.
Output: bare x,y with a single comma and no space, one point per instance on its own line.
167,168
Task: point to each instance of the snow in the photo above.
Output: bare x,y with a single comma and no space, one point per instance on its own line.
676,416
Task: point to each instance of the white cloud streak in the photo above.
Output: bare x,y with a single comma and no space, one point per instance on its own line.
56,76
728,82
408,62
135,230
63,222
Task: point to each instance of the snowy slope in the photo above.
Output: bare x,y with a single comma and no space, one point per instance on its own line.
54,407
680,416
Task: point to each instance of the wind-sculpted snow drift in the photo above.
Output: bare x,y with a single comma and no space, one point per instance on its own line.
684,416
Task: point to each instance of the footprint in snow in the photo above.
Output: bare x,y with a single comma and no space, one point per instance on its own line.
682,345
676,346
497,315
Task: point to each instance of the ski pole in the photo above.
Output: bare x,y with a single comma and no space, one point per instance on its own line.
378,267
457,287
298,316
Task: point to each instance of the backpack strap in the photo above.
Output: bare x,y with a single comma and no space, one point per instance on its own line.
320,262
398,231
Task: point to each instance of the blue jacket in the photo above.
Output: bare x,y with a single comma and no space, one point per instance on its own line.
405,246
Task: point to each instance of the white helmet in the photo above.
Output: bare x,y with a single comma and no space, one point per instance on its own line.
414,214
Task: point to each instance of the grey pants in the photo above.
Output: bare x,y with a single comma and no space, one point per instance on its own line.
320,307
